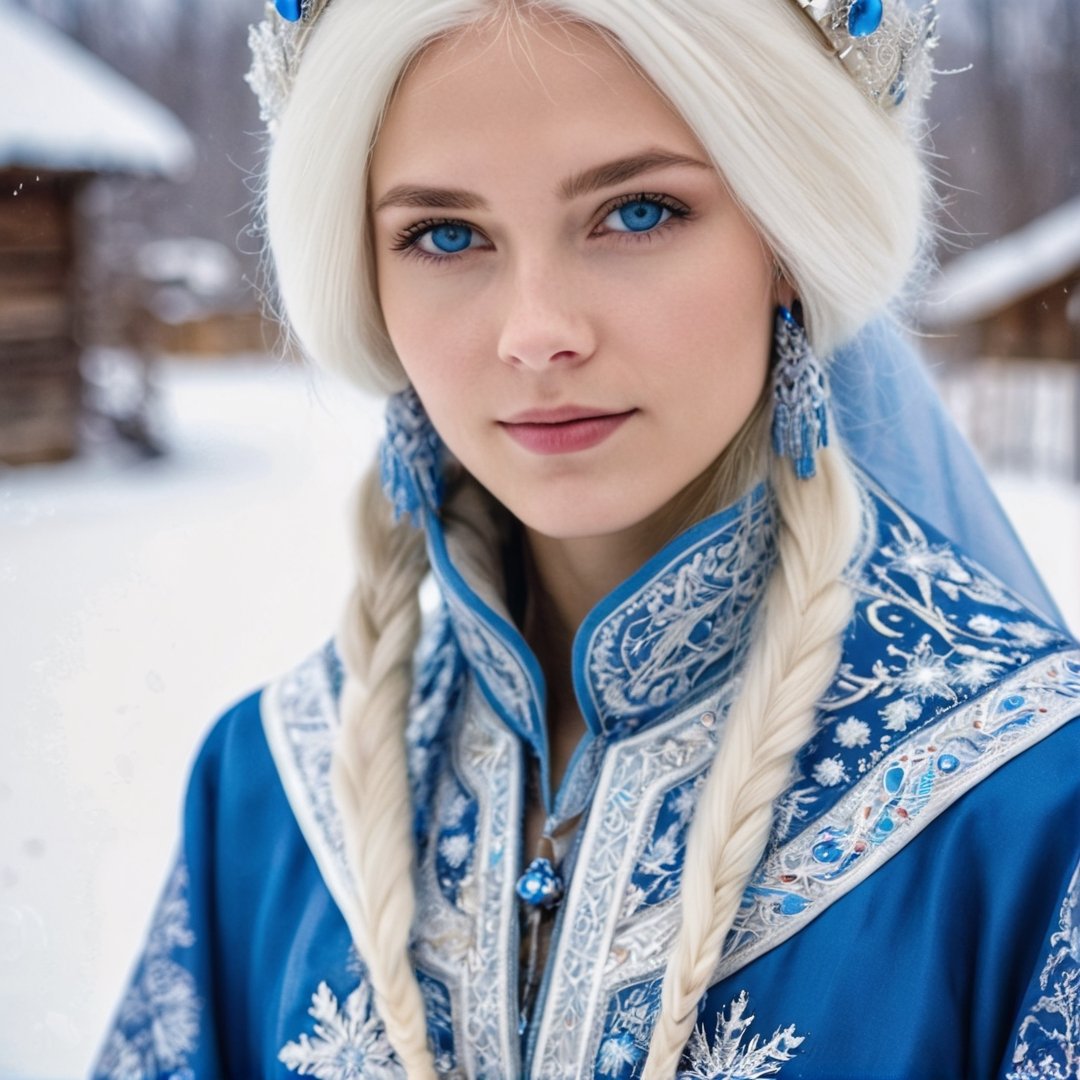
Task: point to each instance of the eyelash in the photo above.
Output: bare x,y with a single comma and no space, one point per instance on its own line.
406,240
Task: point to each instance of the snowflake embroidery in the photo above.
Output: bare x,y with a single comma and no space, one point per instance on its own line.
829,772
618,1054
350,1042
729,1058
455,848
157,1028
899,713
1053,1024
1032,634
976,673
926,673
984,624
852,732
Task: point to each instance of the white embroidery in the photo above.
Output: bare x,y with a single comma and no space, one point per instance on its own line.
350,1042
852,732
638,772
829,772
1054,1021
157,1028
648,654
729,1057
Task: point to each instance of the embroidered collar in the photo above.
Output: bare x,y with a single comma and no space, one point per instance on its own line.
668,634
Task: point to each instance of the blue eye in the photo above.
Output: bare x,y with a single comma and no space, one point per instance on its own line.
639,215
448,239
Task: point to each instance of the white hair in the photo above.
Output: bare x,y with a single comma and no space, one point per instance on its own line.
836,189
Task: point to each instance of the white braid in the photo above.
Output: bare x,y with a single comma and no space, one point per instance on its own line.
794,656
369,777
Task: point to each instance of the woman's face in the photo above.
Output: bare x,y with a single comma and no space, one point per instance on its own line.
583,309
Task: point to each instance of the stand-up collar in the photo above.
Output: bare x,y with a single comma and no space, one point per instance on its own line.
667,634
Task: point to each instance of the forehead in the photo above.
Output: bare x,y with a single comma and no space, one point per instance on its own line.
536,91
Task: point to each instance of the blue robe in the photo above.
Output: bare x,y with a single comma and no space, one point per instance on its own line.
915,916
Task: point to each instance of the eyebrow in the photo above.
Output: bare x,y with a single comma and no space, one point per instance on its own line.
608,174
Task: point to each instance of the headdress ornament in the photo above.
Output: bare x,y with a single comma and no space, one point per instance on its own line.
884,44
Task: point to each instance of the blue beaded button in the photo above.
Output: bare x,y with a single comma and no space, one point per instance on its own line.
289,9
540,885
864,17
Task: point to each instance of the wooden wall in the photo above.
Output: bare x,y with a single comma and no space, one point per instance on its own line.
40,385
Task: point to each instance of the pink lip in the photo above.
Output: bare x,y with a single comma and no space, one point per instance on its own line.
564,430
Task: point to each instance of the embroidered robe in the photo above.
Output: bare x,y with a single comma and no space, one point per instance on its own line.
915,916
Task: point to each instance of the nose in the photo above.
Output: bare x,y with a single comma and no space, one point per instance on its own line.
546,320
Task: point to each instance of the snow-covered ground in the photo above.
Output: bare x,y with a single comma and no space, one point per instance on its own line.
137,601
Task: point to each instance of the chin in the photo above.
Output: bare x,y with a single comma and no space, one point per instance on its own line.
574,515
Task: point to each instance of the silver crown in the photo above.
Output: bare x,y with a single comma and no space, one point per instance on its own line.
884,45
277,44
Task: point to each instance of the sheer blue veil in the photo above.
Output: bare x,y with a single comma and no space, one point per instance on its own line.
895,427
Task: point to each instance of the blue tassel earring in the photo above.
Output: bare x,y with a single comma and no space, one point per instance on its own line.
411,458
800,414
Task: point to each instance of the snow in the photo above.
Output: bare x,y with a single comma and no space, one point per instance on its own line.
982,281
137,602
67,110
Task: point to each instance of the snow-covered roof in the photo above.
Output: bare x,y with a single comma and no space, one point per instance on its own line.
989,278
65,109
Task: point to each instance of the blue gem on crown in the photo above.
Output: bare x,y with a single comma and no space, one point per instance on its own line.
291,10
865,17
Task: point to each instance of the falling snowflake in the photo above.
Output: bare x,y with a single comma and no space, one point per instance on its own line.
851,733
829,772
350,1043
455,848
898,714
729,1056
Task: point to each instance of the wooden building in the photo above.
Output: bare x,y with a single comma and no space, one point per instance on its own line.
1014,298
67,119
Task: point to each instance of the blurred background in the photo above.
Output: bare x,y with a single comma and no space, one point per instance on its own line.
174,487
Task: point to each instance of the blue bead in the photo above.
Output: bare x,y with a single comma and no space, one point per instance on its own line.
540,886
289,9
864,17
1013,702
948,763
893,779
828,851
792,905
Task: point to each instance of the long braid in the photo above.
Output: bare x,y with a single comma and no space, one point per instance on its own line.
369,777
795,654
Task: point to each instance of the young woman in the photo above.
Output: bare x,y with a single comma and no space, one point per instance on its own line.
710,758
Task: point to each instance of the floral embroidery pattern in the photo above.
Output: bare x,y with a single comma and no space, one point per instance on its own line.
1048,1043
157,1028
350,1042
687,625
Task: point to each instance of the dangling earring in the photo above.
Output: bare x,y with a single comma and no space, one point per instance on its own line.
800,414
411,458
